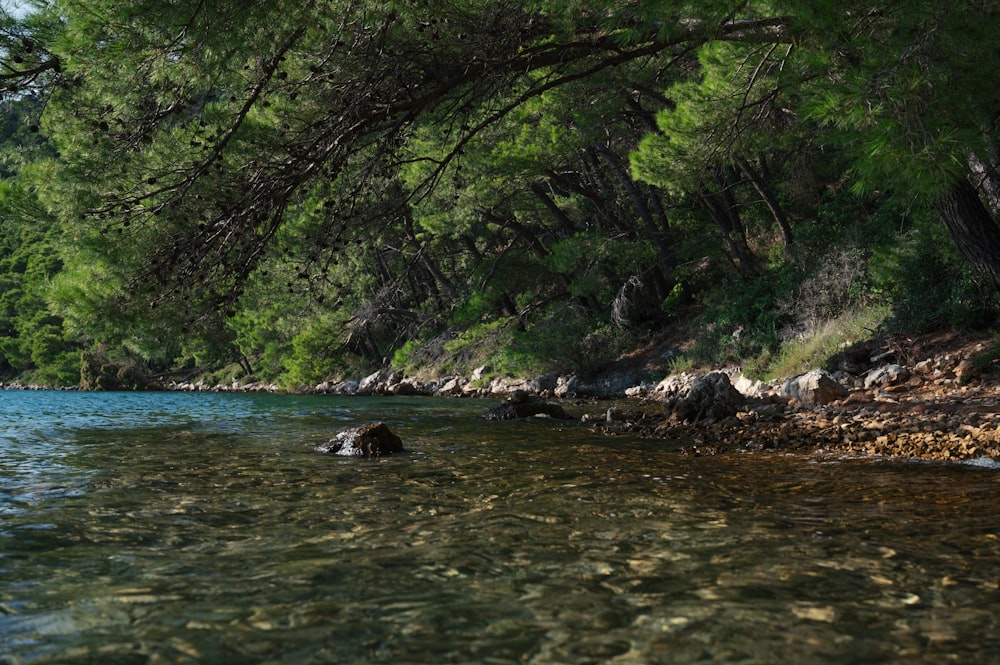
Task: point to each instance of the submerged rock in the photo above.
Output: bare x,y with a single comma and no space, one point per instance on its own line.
369,440
523,406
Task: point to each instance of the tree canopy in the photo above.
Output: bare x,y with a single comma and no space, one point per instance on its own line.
287,184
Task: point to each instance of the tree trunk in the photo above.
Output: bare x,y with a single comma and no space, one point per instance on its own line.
526,234
470,246
558,213
600,182
440,279
245,363
656,203
987,179
777,212
422,255
381,269
581,186
652,232
973,228
508,307
738,250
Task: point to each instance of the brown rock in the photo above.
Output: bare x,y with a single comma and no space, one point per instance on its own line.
369,440
966,370
529,407
708,398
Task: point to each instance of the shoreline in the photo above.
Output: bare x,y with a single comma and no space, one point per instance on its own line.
930,397
958,425
927,412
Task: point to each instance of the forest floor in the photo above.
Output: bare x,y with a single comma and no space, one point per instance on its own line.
948,409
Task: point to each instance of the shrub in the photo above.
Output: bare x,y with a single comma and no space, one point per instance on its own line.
932,287
838,285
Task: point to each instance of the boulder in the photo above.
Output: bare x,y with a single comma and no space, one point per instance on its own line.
566,386
369,440
348,387
966,369
814,388
519,397
674,385
404,388
710,396
369,384
889,375
540,385
505,385
749,387
339,387
379,382
543,385
854,359
452,386
519,407
638,391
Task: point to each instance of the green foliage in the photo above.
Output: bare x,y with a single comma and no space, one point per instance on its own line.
672,305
442,182
478,306
913,106
931,287
560,338
732,109
557,338
475,346
315,357
34,343
592,260
742,322
406,356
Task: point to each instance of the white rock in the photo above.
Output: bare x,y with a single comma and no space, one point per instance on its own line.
814,388
886,376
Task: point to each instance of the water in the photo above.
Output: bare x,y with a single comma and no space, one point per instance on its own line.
190,528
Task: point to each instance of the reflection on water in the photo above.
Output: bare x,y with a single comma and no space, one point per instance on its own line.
203,528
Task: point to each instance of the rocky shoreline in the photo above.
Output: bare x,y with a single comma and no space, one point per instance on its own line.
942,407
956,424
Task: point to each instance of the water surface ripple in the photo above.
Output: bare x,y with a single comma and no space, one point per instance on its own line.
203,528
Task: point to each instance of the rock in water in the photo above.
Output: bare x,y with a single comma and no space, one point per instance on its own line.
369,440
522,406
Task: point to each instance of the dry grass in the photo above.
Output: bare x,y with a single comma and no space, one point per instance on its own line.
825,340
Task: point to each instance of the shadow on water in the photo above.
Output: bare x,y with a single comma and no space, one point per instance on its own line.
205,528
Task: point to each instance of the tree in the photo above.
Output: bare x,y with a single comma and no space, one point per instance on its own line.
33,339
208,129
721,128
390,168
907,89
29,66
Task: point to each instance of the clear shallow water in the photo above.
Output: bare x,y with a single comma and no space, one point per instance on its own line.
190,528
